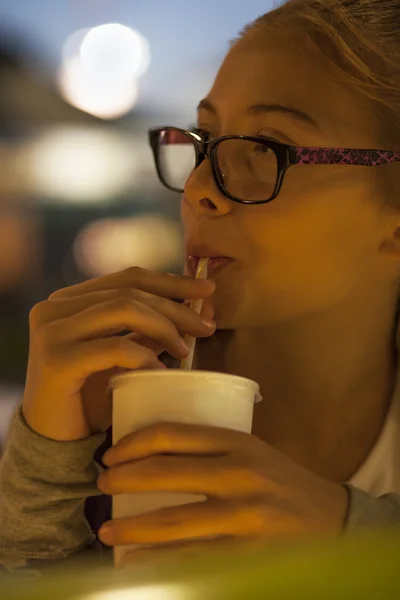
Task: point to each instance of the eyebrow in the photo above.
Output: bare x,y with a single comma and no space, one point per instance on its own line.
260,109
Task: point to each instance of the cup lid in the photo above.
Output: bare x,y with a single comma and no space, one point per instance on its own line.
181,374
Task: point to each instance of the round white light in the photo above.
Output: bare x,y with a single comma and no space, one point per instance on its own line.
115,53
96,96
100,69
72,45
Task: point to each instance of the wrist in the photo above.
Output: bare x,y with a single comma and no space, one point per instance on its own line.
65,430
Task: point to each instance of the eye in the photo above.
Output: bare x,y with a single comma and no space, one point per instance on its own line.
261,149
205,135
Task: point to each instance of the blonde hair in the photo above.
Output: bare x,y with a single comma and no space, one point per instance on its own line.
360,42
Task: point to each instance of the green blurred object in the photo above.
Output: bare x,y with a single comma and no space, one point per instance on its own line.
364,566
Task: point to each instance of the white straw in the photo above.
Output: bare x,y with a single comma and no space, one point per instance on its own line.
196,305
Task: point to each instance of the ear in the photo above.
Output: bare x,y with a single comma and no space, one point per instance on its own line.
391,245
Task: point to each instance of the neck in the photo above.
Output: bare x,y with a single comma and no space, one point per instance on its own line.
326,383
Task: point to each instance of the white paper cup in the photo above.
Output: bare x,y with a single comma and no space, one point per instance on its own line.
143,398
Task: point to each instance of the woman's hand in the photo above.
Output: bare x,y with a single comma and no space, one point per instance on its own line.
254,492
75,346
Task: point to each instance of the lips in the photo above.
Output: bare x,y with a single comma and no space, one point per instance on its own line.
215,263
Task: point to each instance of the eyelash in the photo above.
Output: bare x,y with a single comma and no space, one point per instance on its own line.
206,135
202,132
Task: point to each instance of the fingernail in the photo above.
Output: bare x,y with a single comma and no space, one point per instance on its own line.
209,324
183,346
105,532
106,458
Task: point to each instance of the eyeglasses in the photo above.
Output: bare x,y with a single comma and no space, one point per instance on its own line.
246,169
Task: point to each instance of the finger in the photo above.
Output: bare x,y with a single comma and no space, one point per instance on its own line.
117,315
79,362
160,284
170,362
181,550
181,314
185,319
179,523
147,342
207,310
211,476
176,438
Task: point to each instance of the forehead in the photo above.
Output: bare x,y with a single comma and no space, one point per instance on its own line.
275,70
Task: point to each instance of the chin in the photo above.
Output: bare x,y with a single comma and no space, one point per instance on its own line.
228,313
240,311
238,304
232,321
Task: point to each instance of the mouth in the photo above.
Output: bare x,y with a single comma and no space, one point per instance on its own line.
215,263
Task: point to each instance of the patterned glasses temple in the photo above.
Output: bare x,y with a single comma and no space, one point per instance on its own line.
309,155
344,156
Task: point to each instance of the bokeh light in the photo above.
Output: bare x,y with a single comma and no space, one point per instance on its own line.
109,245
100,69
148,592
115,53
80,165
72,46
95,95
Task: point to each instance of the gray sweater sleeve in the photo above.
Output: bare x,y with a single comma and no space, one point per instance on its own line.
365,511
43,487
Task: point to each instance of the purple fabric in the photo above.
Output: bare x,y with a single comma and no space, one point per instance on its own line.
98,508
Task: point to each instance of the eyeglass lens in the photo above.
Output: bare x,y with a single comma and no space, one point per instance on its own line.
247,170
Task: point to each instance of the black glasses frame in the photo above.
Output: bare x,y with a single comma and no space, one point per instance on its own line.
286,156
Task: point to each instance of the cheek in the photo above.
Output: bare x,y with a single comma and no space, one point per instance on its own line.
308,260
187,217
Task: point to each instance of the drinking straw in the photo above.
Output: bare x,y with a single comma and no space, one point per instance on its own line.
196,305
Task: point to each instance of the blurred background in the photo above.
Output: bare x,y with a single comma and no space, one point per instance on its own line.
81,81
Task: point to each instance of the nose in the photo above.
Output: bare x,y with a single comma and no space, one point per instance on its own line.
202,193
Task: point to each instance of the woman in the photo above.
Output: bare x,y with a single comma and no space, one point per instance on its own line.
304,297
